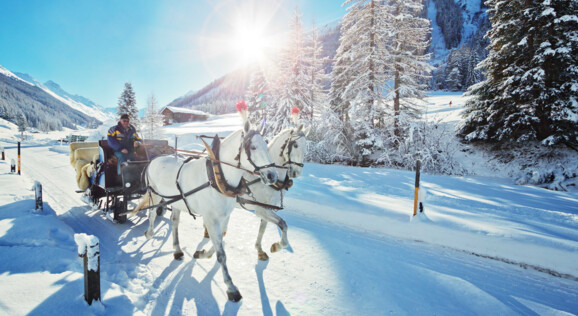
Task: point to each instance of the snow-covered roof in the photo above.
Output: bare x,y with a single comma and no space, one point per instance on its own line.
175,109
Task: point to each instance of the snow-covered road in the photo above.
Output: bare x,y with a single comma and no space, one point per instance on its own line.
331,268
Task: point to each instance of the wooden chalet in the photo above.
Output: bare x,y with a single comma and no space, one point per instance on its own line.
173,114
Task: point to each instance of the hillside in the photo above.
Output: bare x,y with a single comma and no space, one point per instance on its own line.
46,107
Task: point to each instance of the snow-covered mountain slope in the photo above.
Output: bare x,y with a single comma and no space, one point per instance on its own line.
76,102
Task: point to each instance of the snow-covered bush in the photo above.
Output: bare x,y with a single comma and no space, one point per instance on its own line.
430,141
557,178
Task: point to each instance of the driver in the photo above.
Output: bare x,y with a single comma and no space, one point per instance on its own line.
122,138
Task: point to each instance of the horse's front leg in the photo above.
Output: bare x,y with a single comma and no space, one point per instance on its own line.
215,232
271,217
175,218
262,255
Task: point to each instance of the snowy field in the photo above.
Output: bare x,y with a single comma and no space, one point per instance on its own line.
484,246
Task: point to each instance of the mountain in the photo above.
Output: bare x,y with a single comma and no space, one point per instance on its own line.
76,102
457,45
220,96
42,108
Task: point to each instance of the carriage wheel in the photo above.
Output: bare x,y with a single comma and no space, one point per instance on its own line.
119,208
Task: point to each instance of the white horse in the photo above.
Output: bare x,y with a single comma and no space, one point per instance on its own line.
166,174
286,149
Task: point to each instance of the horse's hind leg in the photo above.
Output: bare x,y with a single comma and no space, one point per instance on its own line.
175,218
233,293
152,215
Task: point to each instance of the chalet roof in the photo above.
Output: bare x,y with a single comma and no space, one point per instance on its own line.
175,109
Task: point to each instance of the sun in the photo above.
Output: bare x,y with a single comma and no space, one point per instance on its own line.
250,43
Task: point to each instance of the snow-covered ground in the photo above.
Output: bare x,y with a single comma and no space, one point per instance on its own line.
483,246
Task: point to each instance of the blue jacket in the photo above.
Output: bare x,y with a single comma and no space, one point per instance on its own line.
119,138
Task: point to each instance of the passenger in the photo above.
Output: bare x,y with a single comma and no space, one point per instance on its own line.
122,138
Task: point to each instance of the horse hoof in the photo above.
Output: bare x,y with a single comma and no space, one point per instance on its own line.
276,247
234,296
199,253
263,256
207,234
178,255
148,236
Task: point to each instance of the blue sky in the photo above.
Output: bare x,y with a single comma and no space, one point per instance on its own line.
168,48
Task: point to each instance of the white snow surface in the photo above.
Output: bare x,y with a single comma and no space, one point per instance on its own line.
482,246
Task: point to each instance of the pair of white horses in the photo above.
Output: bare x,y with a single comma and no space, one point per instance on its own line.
244,153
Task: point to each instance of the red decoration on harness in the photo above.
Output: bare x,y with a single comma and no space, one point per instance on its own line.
241,106
295,110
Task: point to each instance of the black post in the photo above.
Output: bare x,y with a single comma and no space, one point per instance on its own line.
18,158
88,249
38,195
91,278
2,149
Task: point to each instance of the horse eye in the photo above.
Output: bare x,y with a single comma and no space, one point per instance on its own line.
253,147
295,146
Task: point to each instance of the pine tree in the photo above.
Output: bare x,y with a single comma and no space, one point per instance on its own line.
153,120
316,76
359,74
291,88
258,97
530,92
22,124
127,104
407,44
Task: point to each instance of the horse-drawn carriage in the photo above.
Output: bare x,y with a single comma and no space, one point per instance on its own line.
100,182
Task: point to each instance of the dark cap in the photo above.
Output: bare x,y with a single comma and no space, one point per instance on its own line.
124,117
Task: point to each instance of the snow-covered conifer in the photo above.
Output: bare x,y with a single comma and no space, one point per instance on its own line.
314,62
408,41
153,120
291,87
531,90
127,104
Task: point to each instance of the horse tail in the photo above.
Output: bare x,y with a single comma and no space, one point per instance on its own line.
145,202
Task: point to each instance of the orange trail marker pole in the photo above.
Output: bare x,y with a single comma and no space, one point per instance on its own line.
417,166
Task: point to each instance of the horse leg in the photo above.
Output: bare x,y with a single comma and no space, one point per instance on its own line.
215,232
270,216
175,218
262,255
149,233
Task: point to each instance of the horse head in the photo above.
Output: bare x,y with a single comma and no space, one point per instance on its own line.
255,155
293,152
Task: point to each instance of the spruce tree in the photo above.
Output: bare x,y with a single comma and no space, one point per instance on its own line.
530,92
408,62
153,120
291,88
127,104
316,76
359,78
22,124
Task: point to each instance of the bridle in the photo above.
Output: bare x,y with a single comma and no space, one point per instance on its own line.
288,146
246,144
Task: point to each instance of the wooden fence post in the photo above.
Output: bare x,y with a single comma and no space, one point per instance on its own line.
38,195
415,202
89,250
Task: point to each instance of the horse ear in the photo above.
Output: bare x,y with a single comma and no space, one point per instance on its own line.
299,129
247,127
